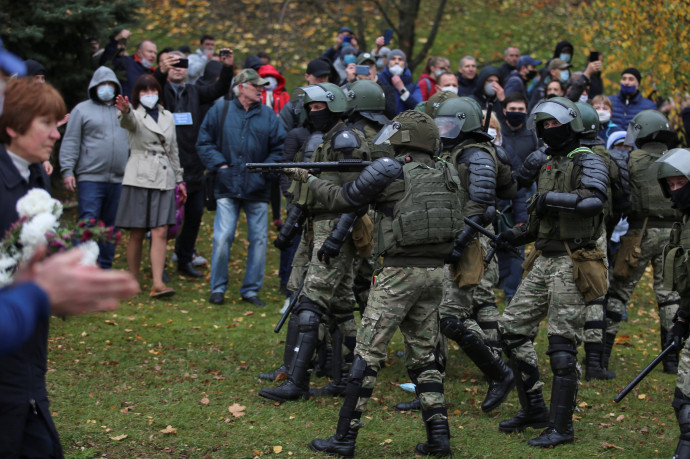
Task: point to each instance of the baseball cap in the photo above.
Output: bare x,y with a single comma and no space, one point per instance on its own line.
250,76
559,64
11,64
345,29
366,57
527,60
318,67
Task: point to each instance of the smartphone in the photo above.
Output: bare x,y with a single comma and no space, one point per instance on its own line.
224,52
347,39
361,70
593,56
387,36
182,63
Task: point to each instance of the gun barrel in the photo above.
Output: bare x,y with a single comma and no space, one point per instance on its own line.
344,165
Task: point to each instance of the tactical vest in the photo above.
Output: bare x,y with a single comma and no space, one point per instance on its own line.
369,130
426,212
677,258
457,151
647,198
559,174
305,153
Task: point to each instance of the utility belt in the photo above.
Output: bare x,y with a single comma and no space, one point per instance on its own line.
417,262
651,223
325,216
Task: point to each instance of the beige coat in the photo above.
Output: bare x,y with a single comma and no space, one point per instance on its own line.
151,164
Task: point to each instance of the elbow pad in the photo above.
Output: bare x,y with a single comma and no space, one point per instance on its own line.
561,201
292,227
589,207
372,181
344,226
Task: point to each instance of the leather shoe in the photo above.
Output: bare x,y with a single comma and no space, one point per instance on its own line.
217,298
255,300
189,270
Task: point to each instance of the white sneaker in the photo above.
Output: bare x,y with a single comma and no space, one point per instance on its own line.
285,305
198,260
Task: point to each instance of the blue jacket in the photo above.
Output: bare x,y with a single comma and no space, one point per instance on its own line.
415,96
252,136
625,109
21,308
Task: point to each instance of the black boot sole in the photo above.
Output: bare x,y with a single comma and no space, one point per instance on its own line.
276,398
328,453
534,425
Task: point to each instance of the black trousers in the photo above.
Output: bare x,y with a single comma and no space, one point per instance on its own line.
193,212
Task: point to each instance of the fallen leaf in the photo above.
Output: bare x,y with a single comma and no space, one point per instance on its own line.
387,441
642,396
118,437
582,404
110,322
620,418
237,410
205,401
169,430
610,446
277,449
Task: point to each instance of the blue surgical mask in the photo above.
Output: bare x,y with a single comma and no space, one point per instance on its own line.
565,57
628,90
380,64
105,93
565,74
349,59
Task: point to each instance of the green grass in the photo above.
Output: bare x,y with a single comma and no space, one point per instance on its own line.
150,365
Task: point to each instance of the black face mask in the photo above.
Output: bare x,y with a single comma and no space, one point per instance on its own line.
516,119
323,120
531,74
681,198
557,137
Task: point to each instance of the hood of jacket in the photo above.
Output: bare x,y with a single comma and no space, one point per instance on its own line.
560,46
268,70
211,73
481,80
101,75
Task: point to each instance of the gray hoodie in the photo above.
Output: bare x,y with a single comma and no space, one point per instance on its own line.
95,148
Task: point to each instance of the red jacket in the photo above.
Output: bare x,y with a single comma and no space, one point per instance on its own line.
427,84
280,96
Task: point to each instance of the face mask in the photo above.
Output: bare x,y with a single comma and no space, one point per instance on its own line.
492,132
489,90
105,93
604,116
531,74
557,137
565,57
149,100
438,73
516,119
396,70
551,96
349,59
272,84
565,74
628,90
681,198
323,120
452,89
583,98
146,64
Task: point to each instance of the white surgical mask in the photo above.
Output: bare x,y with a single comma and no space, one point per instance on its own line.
146,64
583,98
397,70
272,83
604,116
492,132
452,89
149,100
438,73
105,93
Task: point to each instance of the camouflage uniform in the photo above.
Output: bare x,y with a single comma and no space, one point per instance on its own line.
647,203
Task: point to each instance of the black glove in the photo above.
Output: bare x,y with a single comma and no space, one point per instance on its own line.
329,249
455,255
505,241
680,330
540,206
281,242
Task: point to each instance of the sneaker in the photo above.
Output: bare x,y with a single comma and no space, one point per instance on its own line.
174,257
255,300
198,260
217,298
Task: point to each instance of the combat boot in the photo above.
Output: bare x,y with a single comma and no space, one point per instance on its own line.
533,413
414,405
683,417
563,393
609,340
334,388
341,444
297,384
290,343
273,375
438,439
593,365
670,362
500,377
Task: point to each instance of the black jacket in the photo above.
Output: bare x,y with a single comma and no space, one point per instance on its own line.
189,100
22,373
521,142
481,97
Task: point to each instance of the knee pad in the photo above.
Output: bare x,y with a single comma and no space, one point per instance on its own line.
563,355
308,321
683,415
453,328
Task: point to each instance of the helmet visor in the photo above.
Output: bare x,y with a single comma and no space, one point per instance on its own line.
632,133
678,159
316,93
449,127
561,113
387,132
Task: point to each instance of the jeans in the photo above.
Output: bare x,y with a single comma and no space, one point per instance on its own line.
99,200
510,271
193,213
224,227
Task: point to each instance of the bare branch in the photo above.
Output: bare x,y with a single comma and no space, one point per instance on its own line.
432,36
386,17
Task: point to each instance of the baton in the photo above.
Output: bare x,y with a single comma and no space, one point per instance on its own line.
491,236
643,373
289,309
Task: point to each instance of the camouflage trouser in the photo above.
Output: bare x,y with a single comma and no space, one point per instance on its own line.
548,290
683,381
595,312
620,291
405,298
329,286
476,307
300,262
